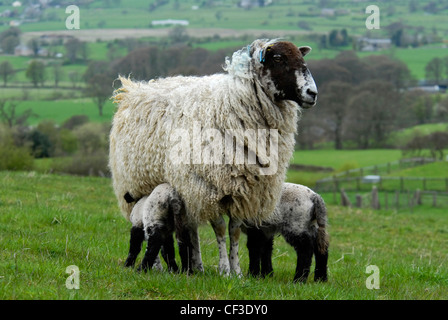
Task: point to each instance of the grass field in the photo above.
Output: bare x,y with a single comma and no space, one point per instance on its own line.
50,222
61,110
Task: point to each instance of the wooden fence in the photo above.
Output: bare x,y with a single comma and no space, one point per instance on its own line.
391,200
386,168
383,184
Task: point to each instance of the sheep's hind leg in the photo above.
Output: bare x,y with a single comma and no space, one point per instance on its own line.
137,237
234,234
219,226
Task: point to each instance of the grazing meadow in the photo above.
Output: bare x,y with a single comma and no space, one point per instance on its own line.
50,222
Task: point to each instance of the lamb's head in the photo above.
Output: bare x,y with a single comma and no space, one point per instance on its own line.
282,71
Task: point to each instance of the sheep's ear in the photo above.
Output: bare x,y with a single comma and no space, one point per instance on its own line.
305,50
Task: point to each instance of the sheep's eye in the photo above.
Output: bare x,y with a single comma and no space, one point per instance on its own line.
277,58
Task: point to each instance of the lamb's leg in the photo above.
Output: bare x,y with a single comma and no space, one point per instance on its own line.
219,226
303,245
320,271
156,236
253,246
266,256
135,246
185,247
234,234
168,253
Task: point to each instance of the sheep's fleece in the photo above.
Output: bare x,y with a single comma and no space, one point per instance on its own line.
148,114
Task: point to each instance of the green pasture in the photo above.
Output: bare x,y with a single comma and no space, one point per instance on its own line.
60,110
341,160
51,222
282,15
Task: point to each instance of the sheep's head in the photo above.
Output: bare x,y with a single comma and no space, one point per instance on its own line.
283,72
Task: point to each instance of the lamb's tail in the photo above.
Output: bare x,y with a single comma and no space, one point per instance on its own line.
320,213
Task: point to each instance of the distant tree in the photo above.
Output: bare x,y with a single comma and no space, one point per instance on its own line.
36,72
6,71
74,77
9,39
99,87
372,113
358,69
72,47
434,70
338,38
334,104
57,73
34,44
178,34
384,68
9,116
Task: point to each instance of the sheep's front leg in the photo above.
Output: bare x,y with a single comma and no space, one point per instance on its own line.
196,258
234,234
219,226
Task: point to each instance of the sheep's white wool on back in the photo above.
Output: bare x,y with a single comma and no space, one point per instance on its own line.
149,113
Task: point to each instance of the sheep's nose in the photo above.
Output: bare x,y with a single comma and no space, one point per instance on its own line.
312,93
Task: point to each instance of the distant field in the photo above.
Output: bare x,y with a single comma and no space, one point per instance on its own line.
407,134
59,111
342,159
283,14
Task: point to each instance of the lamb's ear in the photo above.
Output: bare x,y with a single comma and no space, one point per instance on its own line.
305,50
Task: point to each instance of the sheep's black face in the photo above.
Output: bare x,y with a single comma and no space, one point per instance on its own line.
285,75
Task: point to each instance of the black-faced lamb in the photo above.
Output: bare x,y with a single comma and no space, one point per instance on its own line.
301,218
176,130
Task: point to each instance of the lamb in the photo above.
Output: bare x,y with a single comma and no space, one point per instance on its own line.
153,218
300,216
256,100
301,219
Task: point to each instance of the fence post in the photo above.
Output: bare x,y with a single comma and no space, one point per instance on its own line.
375,200
358,201
386,202
418,197
397,199
401,184
345,201
434,199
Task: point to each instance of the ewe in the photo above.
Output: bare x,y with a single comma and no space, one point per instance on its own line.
209,137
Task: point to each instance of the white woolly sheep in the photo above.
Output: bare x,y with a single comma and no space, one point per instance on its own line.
301,219
261,91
